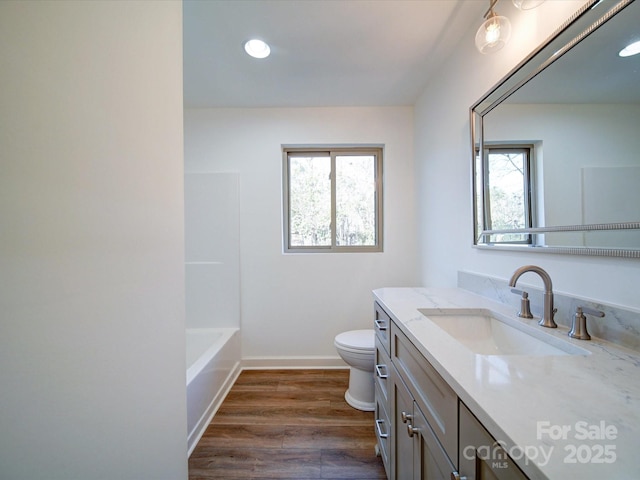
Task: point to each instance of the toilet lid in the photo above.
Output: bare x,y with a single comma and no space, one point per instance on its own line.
357,339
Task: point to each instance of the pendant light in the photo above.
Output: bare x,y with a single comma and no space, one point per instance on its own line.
494,33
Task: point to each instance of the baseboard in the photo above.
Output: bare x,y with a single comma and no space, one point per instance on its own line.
256,363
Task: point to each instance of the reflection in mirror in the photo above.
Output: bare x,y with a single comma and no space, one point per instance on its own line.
560,142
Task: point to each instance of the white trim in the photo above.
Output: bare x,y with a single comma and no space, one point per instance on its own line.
250,363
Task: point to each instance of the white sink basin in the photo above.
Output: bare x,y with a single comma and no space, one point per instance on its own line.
489,333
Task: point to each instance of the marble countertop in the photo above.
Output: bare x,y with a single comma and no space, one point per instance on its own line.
573,416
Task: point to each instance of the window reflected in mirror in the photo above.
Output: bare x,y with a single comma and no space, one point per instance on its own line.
505,187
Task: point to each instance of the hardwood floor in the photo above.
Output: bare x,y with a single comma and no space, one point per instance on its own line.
278,424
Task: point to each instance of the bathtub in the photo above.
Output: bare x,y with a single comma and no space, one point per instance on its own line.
213,364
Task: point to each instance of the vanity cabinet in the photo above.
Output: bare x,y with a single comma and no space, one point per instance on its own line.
416,452
382,419
435,398
383,424
424,431
382,325
410,397
481,457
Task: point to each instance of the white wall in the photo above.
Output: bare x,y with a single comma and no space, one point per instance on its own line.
443,158
92,383
293,305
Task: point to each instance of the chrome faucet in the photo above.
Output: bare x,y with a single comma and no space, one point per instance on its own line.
549,311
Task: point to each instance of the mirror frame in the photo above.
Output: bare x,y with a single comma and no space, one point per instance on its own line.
585,21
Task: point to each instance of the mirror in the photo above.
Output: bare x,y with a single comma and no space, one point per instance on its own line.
560,140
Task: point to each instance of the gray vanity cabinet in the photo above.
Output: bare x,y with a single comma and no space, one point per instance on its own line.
383,423
435,398
424,418
402,450
416,452
382,418
424,431
409,399
481,457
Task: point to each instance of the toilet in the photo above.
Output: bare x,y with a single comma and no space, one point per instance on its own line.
357,349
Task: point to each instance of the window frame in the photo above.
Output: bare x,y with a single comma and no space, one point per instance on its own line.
332,152
529,192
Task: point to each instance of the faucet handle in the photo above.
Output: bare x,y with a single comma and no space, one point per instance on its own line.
525,309
591,311
579,324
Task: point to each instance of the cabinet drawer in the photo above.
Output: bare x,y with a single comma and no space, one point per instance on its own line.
381,370
382,326
383,430
437,401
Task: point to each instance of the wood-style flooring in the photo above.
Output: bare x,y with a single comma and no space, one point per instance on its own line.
277,424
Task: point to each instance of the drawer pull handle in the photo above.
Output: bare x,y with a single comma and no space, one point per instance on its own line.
411,430
380,434
406,417
379,372
380,324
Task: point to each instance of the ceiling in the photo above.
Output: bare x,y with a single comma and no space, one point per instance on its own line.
323,52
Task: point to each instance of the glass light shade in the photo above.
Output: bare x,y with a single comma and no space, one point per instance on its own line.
257,48
527,4
493,34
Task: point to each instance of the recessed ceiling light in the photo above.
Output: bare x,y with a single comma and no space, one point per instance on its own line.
257,48
631,49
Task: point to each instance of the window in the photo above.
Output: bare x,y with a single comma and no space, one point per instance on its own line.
504,187
332,199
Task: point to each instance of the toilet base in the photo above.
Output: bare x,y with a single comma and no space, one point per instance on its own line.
360,394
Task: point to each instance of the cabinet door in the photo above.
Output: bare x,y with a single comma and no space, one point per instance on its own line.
402,444
481,457
435,398
431,460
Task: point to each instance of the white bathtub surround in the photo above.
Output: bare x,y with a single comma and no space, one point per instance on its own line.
212,268
620,325
523,400
213,365
212,250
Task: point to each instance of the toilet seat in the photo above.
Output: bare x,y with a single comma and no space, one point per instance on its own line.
357,341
